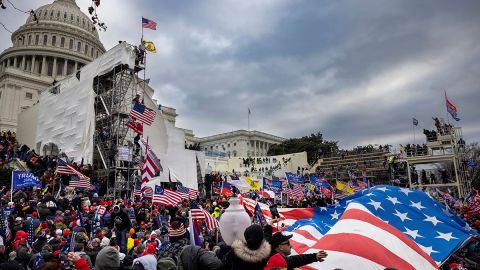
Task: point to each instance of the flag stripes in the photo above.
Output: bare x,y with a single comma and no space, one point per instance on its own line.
142,113
146,23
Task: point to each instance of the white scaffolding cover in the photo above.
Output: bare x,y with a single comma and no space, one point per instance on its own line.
68,118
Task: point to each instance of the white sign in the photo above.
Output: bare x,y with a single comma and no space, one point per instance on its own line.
124,153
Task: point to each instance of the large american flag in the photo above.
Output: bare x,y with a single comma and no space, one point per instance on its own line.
191,193
379,220
166,196
79,181
146,23
142,113
199,213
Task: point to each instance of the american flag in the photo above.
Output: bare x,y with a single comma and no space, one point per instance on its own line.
288,216
142,113
362,184
5,232
297,191
192,193
166,196
357,229
382,218
146,23
198,212
150,166
79,181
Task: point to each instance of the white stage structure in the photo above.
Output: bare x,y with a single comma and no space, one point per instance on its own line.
73,112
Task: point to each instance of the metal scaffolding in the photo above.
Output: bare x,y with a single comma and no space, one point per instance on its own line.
447,147
115,91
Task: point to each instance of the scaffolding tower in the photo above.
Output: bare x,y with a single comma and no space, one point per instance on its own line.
447,146
114,93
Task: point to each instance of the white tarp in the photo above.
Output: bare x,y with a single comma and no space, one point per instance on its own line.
68,118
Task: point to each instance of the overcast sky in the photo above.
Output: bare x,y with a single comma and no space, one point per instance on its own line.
356,71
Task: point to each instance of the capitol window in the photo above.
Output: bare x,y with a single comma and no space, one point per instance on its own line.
65,15
29,39
45,38
54,40
62,42
71,44
28,95
86,49
79,45
37,39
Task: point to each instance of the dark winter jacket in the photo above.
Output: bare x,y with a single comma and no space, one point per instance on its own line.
121,221
196,258
241,257
296,261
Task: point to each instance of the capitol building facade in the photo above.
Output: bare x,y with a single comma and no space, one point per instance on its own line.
56,41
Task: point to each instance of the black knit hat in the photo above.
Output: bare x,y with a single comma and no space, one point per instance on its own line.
279,238
253,236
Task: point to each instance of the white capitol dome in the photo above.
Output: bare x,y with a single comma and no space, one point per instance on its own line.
62,40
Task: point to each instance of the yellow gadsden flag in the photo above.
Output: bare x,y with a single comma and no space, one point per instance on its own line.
149,46
345,188
253,184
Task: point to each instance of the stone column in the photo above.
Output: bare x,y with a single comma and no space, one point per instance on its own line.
44,66
76,66
65,63
8,62
23,63
15,62
54,71
32,68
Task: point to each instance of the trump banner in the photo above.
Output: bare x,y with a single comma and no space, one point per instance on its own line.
23,179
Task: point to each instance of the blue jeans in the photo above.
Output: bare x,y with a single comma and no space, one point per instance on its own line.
122,240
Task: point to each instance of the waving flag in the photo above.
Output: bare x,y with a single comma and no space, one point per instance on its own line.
78,180
253,184
452,110
198,213
432,226
5,232
166,196
192,194
146,23
360,240
142,113
294,178
258,217
23,179
226,190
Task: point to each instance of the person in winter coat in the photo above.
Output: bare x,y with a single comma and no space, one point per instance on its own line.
147,261
107,259
122,224
281,249
197,258
251,254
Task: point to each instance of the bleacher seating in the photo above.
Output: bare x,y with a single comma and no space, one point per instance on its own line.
338,166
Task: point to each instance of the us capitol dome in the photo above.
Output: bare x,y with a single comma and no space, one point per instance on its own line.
56,41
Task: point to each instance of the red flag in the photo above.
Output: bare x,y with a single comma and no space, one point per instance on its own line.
136,126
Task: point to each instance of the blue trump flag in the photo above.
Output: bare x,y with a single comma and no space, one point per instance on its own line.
23,179
432,225
294,178
319,182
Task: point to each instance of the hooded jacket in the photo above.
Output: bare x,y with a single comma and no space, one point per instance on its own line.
196,258
241,257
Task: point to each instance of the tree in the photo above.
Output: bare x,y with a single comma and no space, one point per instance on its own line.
314,145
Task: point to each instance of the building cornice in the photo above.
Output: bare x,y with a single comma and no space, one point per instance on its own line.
45,51
243,134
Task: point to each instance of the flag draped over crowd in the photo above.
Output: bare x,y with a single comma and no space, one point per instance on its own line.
383,216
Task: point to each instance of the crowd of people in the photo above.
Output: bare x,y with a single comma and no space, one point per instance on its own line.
84,230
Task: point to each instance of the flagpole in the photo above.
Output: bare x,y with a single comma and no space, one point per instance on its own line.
11,189
413,128
248,117
446,112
